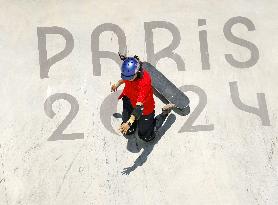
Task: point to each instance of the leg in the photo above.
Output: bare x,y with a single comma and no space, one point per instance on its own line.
146,124
127,110
163,115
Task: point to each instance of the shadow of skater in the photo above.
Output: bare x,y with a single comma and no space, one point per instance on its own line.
135,145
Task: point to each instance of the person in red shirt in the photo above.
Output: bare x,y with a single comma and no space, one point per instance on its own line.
138,101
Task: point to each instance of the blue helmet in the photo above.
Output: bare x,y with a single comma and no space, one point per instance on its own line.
129,68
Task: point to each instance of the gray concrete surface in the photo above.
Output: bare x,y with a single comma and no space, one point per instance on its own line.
235,163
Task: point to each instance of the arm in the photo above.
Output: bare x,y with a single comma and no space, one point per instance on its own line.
120,82
115,86
137,112
135,115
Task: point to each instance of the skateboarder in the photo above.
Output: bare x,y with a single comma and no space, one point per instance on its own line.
138,102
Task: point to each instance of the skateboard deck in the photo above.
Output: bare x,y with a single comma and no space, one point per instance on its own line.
166,91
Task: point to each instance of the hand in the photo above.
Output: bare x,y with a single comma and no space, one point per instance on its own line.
124,127
127,170
114,87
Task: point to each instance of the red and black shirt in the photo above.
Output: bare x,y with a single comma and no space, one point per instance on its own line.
140,90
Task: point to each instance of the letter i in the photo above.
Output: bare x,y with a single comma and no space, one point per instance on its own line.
203,45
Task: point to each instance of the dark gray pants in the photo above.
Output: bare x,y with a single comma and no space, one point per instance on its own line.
146,124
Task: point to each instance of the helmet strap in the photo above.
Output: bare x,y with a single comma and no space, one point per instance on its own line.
140,71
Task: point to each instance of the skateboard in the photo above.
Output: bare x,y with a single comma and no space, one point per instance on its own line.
166,91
